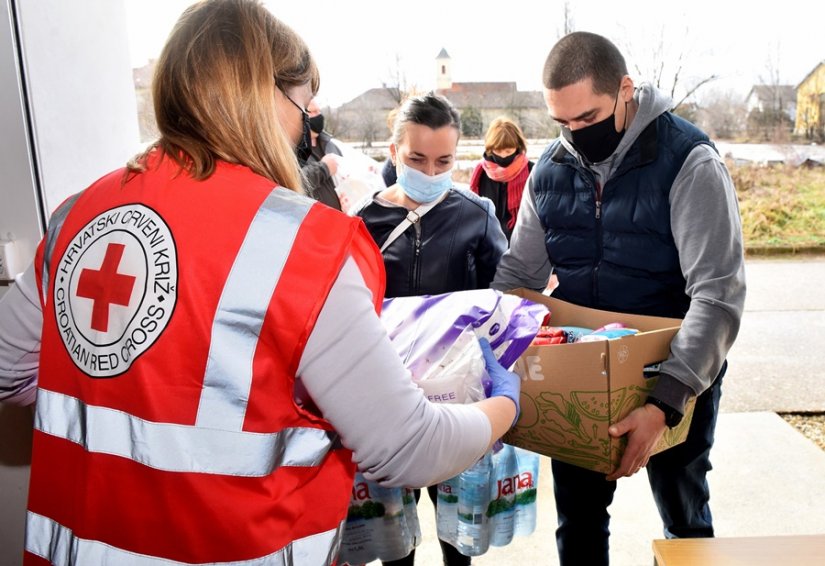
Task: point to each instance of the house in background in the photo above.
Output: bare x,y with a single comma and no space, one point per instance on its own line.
810,104
488,100
778,98
364,118
771,112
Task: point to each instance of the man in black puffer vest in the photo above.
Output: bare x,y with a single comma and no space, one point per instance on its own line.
635,212
321,166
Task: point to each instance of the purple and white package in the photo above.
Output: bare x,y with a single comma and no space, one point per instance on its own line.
437,337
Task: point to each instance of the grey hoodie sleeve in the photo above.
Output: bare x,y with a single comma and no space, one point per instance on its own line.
704,215
21,321
526,263
356,379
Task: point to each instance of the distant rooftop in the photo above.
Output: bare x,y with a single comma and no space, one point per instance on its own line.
491,95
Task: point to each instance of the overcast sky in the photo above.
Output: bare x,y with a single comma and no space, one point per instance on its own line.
357,43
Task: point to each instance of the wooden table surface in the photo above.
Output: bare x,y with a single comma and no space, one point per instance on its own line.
797,550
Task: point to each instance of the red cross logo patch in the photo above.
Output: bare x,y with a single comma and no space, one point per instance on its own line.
115,289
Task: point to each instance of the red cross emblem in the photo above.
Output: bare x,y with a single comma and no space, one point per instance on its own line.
106,287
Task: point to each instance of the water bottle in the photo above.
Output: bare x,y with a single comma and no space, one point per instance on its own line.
502,509
411,515
358,540
446,512
528,477
473,500
380,523
392,538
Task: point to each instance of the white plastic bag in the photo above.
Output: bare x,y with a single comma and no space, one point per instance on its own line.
458,376
358,177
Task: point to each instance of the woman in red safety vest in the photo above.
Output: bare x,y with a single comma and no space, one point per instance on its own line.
211,367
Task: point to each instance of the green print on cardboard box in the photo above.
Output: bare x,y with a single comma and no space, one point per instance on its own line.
571,427
572,393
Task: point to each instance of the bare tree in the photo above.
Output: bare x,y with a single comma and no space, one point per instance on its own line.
665,66
569,23
722,114
396,81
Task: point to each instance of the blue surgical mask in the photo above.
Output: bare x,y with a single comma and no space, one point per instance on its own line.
421,187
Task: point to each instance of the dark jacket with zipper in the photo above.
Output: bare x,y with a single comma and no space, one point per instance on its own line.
456,246
612,246
496,191
319,183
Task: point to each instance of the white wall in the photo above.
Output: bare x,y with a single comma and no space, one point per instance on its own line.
81,89
18,199
80,98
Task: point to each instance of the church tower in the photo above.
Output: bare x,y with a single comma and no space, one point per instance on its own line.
444,74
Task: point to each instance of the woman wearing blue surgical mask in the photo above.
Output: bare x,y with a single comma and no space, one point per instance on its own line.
455,245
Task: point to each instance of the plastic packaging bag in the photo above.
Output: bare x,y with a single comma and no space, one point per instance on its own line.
358,177
434,330
458,377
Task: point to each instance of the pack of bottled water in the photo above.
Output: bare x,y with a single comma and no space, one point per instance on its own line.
490,502
526,486
473,534
502,508
382,523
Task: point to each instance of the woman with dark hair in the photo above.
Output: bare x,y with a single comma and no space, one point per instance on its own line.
435,239
503,171
454,241
203,340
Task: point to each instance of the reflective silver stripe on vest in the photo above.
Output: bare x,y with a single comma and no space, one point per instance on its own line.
243,304
175,447
55,224
57,544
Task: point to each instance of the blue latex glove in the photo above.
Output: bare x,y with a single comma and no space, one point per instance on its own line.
505,383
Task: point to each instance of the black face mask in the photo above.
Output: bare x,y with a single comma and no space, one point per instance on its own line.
597,141
316,123
501,161
304,148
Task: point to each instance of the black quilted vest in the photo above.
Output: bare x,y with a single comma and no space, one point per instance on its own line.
617,254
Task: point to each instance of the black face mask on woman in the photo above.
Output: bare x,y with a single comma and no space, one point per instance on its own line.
304,148
316,123
598,141
501,161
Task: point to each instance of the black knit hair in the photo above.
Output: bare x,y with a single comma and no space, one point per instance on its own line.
580,55
431,110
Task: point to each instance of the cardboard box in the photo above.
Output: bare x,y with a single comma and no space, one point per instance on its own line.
571,393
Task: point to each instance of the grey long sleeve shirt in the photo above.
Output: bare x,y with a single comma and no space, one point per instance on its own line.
704,215
349,370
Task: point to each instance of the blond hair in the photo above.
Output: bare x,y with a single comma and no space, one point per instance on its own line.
504,133
214,90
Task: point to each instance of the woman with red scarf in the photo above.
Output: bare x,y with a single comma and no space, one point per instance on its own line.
502,173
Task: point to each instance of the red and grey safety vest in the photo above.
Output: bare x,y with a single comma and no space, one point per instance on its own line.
167,429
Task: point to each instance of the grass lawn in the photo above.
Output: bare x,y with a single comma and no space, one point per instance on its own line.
782,207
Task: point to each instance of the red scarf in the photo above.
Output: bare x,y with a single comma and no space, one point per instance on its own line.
515,175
